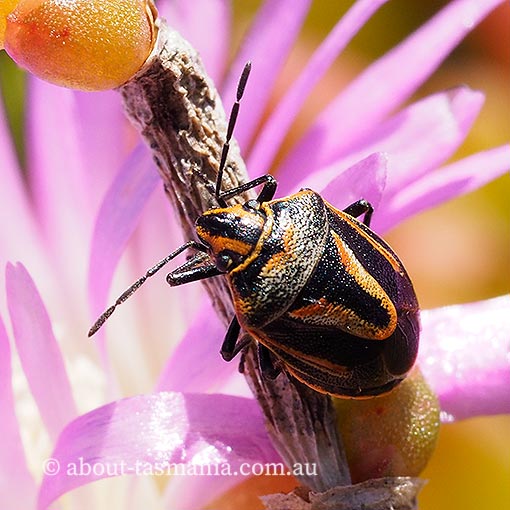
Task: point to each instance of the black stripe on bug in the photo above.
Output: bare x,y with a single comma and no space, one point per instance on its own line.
323,296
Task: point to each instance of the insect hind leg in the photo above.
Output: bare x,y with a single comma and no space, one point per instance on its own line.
361,207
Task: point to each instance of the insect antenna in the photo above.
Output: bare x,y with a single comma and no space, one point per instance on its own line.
230,129
135,286
190,244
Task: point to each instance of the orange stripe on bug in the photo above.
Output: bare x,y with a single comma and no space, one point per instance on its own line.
267,227
220,243
355,224
371,287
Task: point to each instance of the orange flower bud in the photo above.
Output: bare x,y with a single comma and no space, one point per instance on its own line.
81,44
6,6
390,435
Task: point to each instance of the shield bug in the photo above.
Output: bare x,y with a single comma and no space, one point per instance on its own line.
322,295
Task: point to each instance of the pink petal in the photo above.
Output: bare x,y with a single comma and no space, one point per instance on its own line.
267,44
195,21
117,219
159,314
58,180
196,364
17,487
386,84
17,238
424,135
77,142
276,127
417,139
7,152
451,181
365,179
103,134
465,357
38,350
140,434
12,192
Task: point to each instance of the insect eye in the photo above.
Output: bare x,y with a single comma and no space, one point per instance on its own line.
227,259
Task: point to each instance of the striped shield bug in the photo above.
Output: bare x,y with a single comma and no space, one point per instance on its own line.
322,295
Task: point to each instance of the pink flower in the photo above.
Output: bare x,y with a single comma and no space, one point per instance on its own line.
79,149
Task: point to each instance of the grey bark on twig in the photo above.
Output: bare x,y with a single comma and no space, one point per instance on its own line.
177,109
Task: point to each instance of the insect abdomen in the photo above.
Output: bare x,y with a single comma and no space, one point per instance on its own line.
341,364
353,329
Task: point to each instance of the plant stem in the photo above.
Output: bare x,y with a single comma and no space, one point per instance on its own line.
177,109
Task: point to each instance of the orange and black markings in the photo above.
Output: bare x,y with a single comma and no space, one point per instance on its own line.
312,285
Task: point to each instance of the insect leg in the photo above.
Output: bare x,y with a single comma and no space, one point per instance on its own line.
266,363
192,270
231,346
176,278
266,194
361,207
229,343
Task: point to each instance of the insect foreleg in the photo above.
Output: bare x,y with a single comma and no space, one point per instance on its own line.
183,275
231,346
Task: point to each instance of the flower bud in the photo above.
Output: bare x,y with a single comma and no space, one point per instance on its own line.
6,6
81,44
390,435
